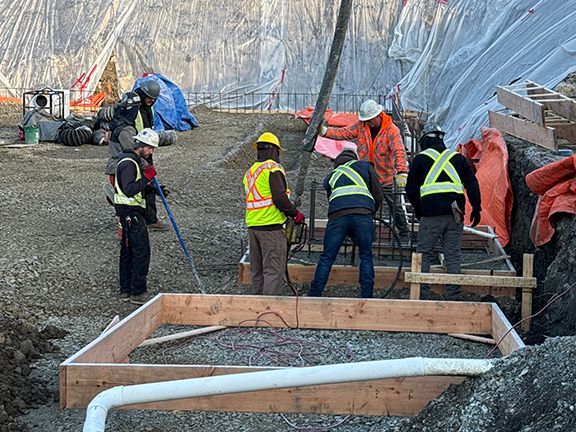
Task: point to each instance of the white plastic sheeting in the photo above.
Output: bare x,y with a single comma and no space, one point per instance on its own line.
474,46
447,55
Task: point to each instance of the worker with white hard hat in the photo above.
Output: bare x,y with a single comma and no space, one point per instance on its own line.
132,177
379,141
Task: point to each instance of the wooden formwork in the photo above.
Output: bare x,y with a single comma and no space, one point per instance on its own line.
104,363
385,275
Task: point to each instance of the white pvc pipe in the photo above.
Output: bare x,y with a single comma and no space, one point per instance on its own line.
479,233
273,379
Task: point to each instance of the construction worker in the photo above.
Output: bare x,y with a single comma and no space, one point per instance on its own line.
379,141
149,91
132,176
435,188
354,195
123,128
267,207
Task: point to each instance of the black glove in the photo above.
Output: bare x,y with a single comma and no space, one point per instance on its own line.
474,218
417,213
165,191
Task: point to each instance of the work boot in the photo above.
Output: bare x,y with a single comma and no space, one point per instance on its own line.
140,299
124,296
157,226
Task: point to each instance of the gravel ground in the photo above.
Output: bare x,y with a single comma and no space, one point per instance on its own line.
58,267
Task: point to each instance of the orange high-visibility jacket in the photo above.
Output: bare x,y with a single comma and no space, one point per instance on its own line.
386,151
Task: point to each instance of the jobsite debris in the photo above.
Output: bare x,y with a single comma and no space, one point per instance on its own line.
497,80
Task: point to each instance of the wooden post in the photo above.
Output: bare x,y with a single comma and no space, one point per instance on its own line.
527,271
416,268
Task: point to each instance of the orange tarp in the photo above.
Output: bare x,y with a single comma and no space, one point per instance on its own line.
492,174
555,184
326,146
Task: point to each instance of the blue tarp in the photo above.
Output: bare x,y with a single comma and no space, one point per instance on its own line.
170,109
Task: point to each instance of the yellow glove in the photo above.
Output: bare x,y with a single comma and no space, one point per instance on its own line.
323,129
401,180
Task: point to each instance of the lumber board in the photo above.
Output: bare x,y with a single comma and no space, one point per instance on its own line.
567,131
116,344
394,397
500,326
63,385
328,313
383,278
562,105
540,135
467,279
527,108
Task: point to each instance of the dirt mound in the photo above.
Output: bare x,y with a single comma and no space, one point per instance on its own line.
531,390
553,260
20,345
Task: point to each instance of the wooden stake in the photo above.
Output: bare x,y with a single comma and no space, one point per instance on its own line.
527,271
181,335
416,268
473,338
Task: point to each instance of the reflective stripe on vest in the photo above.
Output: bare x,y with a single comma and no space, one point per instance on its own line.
139,122
119,197
260,209
441,165
358,186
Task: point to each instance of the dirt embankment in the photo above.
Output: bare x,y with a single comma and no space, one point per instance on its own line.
555,262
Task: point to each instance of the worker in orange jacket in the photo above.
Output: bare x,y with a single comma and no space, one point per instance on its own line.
379,141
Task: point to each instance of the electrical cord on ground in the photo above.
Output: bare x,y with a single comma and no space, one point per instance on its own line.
546,306
401,264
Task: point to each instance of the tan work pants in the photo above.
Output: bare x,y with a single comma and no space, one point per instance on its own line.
267,260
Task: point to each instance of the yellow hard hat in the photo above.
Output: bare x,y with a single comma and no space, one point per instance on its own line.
268,138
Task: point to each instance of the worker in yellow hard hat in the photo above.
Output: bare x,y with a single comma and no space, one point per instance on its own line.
268,206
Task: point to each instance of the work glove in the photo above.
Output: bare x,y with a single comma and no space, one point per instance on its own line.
401,180
474,218
299,218
165,191
150,172
323,129
417,213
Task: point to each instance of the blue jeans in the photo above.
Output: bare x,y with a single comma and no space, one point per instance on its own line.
360,229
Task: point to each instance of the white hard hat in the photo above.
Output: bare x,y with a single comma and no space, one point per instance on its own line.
369,109
147,137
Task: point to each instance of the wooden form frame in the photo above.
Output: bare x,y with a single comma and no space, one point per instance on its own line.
526,282
384,275
545,115
104,363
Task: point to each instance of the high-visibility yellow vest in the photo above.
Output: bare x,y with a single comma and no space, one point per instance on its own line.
119,197
260,210
139,122
358,186
441,165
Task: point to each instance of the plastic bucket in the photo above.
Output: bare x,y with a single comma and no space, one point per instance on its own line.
31,135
